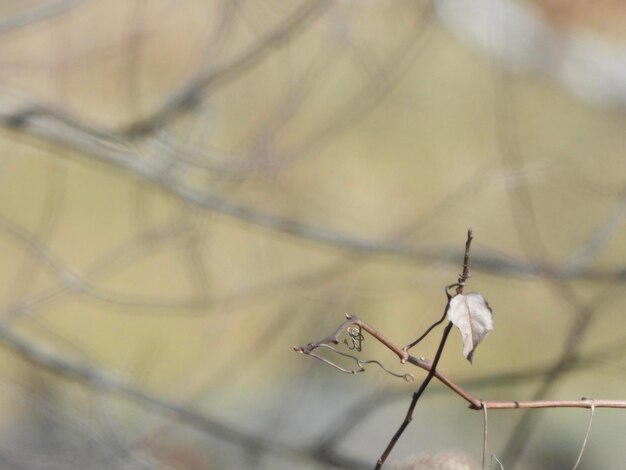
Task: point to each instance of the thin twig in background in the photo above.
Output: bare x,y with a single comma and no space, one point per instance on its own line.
53,127
43,12
537,253
100,380
188,95
165,158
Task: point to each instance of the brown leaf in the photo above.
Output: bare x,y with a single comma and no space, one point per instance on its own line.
473,317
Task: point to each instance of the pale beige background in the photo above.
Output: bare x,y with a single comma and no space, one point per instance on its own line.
331,161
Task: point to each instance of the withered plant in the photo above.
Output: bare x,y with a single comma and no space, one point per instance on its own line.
471,314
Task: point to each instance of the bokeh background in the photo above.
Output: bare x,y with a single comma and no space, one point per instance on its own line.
189,189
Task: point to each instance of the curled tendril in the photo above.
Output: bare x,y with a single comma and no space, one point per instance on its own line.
359,362
356,338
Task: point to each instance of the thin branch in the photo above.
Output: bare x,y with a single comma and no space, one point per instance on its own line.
474,402
360,411
40,13
463,277
188,96
431,368
53,127
485,433
92,376
493,457
582,448
537,253
432,327
603,234
466,274
416,396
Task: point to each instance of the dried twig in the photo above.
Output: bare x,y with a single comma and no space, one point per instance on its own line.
431,367
485,432
582,448
474,402
189,95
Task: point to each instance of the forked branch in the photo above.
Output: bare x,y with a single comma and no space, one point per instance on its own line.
431,367
473,402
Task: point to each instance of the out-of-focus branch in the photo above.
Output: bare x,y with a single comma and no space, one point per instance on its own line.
381,82
209,80
100,380
102,146
35,15
113,153
537,252
184,99
601,237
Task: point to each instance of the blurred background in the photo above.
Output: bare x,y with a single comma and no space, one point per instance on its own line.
189,189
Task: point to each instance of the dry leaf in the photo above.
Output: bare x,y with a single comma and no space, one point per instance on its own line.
472,315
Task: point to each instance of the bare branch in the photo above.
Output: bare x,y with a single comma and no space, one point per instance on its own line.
187,97
582,448
41,13
474,403
431,368
52,126
92,376
416,396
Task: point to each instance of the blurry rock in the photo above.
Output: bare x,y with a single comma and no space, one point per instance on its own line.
580,44
451,460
